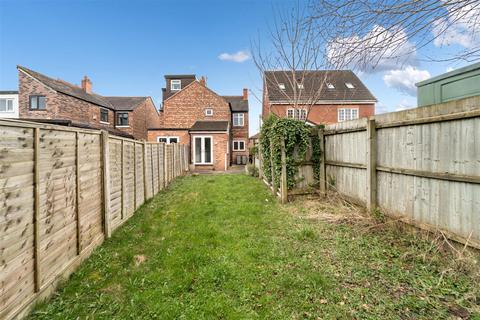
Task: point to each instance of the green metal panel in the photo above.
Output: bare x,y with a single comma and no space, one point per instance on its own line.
460,83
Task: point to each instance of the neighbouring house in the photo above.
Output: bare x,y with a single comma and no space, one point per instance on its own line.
49,100
322,97
457,84
8,104
215,126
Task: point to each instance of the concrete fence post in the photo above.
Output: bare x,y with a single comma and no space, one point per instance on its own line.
283,182
371,164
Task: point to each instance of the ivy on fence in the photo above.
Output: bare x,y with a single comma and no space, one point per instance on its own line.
297,138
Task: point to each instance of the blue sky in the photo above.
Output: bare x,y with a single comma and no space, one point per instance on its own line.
126,47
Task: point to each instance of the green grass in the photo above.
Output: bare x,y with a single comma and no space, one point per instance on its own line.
220,247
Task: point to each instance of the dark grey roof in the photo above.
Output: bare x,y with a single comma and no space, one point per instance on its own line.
115,103
179,76
68,89
255,136
237,104
313,81
210,126
9,92
125,103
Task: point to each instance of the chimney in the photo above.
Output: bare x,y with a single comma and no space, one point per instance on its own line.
203,81
245,94
86,85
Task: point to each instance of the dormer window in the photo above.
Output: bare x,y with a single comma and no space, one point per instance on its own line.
281,86
300,86
349,85
330,85
209,112
175,85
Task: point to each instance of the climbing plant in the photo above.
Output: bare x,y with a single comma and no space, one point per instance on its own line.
316,152
297,138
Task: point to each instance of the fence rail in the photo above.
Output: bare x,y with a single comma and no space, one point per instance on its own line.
63,191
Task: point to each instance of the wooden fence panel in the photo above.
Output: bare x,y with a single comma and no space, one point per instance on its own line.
115,178
90,187
57,202
129,176
148,171
161,157
139,176
16,217
155,167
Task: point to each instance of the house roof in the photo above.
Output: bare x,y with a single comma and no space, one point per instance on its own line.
8,92
210,126
255,136
237,103
125,103
115,103
314,81
179,76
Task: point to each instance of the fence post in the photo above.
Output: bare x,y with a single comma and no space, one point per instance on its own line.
106,184
260,161
283,182
134,176
158,167
174,160
122,160
322,176
36,216
371,164
165,159
274,185
151,170
145,182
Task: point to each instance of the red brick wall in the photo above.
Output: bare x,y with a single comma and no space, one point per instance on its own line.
58,105
240,133
183,135
188,106
144,116
326,113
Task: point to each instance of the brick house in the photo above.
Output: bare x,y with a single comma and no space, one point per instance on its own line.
322,96
216,127
44,99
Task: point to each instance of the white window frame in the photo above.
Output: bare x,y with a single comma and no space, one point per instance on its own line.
174,82
242,116
350,116
202,154
238,144
108,116
7,110
292,111
209,112
330,85
349,85
281,86
168,138
300,86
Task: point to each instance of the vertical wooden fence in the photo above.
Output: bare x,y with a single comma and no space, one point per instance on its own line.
63,191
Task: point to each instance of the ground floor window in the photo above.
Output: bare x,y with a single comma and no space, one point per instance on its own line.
203,149
6,105
238,145
168,139
345,114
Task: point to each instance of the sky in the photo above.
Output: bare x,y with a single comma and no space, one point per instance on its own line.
126,47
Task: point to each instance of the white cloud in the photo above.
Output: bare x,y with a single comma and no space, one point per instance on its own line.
404,79
460,27
404,105
240,56
378,50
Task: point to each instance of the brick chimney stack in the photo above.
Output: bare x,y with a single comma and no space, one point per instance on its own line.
203,81
86,85
245,94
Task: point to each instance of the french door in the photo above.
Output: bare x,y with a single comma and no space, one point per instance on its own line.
203,146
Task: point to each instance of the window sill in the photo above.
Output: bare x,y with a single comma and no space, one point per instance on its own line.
122,126
104,122
239,150
37,109
204,164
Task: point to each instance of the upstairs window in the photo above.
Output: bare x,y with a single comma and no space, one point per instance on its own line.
281,86
122,119
330,85
209,112
345,114
6,105
238,145
238,120
175,85
37,103
300,86
349,85
103,115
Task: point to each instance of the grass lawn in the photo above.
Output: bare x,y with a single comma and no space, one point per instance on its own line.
220,247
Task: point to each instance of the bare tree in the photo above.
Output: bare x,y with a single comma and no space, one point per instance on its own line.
366,33
289,58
